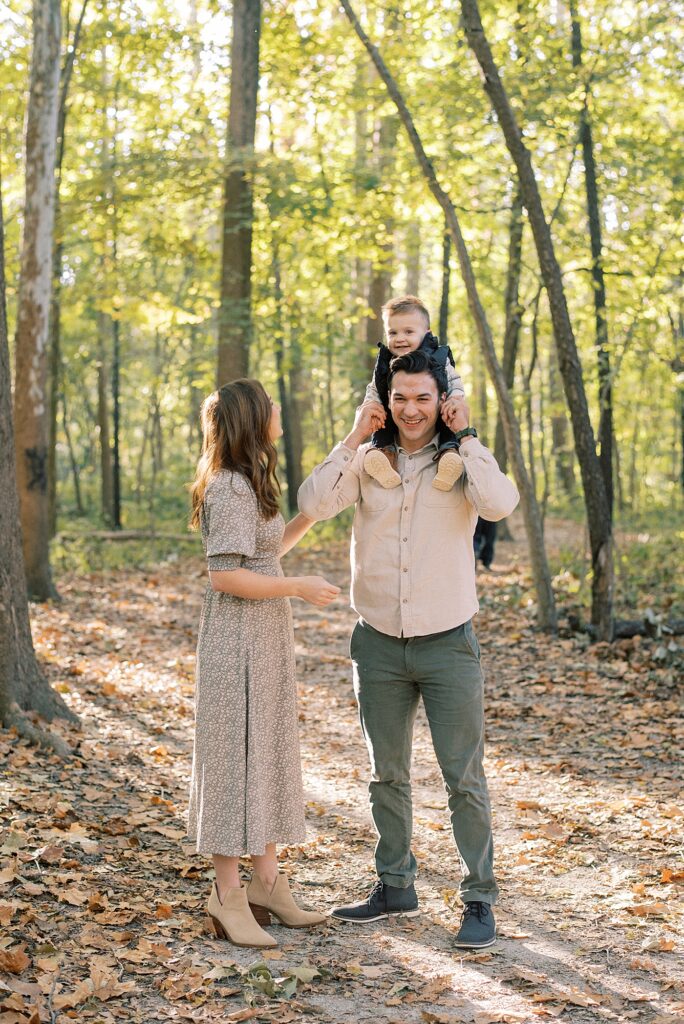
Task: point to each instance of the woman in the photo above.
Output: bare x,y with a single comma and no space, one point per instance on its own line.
246,789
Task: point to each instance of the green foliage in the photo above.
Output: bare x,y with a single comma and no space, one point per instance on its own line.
140,218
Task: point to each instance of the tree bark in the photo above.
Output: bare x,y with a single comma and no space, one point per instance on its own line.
546,609
22,685
235,314
32,405
598,509
605,431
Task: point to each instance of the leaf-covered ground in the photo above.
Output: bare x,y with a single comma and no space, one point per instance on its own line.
102,903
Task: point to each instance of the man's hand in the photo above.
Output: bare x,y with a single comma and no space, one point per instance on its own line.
455,413
369,417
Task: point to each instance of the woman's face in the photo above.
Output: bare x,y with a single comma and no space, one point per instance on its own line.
275,429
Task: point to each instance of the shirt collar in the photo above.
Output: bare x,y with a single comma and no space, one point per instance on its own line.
434,443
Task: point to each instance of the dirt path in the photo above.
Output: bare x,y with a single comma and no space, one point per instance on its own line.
102,904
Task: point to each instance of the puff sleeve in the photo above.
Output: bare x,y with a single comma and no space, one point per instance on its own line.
230,507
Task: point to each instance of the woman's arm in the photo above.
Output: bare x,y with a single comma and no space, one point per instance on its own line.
255,586
294,531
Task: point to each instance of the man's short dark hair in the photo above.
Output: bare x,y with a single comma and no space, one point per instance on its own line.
418,362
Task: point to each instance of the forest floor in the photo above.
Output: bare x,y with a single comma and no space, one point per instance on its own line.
102,903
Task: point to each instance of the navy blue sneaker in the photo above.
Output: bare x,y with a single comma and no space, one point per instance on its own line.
382,901
478,927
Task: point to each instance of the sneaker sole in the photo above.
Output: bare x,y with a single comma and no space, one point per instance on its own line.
378,917
475,945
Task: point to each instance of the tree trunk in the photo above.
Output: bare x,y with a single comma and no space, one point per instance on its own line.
32,400
298,402
72,457
283,394
54,323
22,685
605,431
381,271
446,277
546,609
413,258
106,480
560,445
235,314
598,509
513,316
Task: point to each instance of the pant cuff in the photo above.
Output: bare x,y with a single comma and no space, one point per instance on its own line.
472,895
398,881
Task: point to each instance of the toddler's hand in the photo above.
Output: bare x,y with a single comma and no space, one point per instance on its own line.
455,412
378,414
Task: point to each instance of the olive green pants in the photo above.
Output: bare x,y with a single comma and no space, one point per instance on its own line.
391,674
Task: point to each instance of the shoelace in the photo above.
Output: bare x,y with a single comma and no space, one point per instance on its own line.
376,891
475,909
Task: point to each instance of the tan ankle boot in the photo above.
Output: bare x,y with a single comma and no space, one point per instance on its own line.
449,469
378,466
280,903
233,920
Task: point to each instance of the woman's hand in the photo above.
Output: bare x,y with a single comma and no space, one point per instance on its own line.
315,590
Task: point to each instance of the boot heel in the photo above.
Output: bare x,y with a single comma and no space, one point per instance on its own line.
218,928
261,914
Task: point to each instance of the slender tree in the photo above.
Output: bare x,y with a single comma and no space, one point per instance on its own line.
235,314
22,685
598,509
32,400
605,430
530,508
446,279
57,260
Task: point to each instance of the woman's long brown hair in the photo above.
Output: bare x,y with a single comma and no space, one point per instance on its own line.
235,435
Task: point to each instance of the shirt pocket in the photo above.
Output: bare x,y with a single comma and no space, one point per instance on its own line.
374,497
433,498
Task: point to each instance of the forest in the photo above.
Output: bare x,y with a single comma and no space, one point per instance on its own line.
193,191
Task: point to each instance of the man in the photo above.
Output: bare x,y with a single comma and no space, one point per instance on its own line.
413,586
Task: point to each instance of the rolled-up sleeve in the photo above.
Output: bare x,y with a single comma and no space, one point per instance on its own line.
489,490
332,486
230,506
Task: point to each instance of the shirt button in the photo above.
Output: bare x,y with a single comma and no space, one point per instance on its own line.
405,508
404,569
410,458
405,601
404,539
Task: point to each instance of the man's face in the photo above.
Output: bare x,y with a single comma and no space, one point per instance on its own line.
405,331
414,404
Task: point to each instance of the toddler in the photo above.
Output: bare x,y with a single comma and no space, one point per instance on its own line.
407,327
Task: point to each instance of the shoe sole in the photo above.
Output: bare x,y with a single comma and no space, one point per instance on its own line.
475,945
378,917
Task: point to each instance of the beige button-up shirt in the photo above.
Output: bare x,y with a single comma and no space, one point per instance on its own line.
413,567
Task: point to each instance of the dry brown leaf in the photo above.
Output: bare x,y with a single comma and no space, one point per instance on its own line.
656,909
14,961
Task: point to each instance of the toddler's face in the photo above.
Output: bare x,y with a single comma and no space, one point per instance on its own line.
405,331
